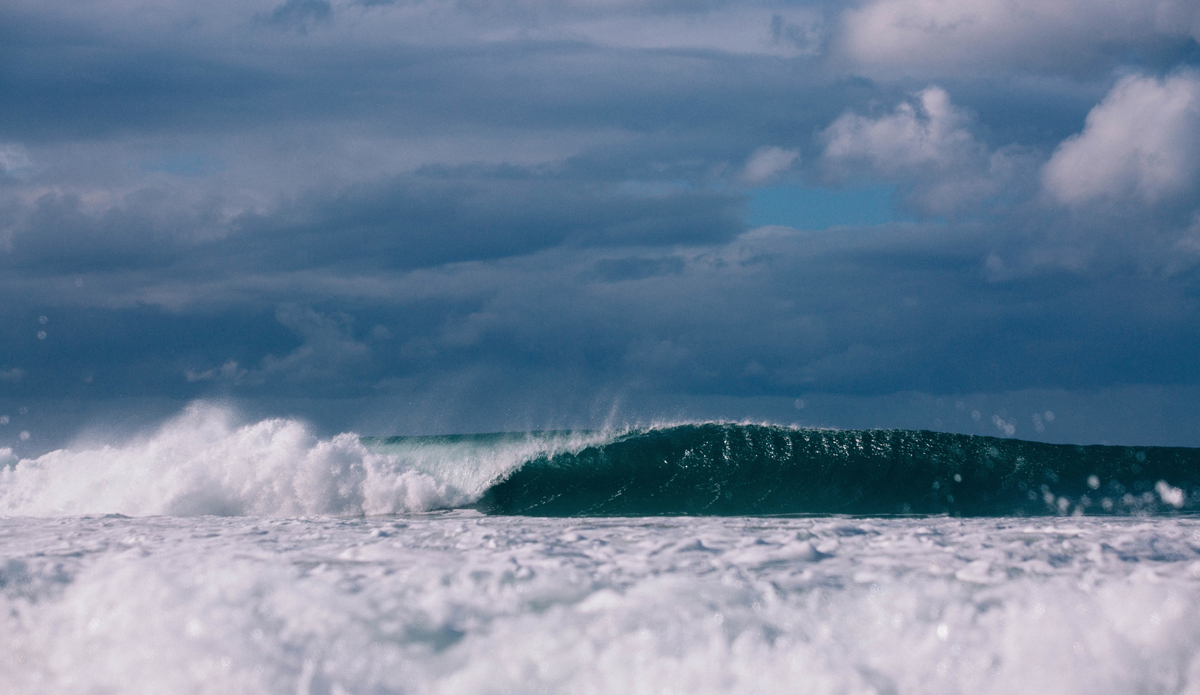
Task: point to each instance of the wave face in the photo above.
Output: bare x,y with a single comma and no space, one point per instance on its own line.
725,469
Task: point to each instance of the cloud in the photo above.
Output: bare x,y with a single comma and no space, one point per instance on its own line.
1140,144
13,374
452,215
328,354
548,198
299,14
745,29
58,232
927,131
226,372
767,314
14,159
440,215
1185,254
768,162
925,141
988,36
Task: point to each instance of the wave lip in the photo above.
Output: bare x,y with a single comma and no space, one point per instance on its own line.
731,470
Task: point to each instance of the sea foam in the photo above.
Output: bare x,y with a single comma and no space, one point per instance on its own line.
206,462
458,602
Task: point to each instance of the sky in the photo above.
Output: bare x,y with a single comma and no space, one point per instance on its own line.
431,216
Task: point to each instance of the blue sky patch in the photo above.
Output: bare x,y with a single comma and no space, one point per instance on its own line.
820,208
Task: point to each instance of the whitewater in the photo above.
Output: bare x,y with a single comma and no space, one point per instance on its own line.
216,555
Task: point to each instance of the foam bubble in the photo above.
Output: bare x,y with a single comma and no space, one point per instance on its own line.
1169,494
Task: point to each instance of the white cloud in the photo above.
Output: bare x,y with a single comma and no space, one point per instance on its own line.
971,35
925,141
13,374
926,131
1141,143
768,162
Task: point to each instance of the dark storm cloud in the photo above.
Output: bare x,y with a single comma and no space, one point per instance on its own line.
56,235
776,316
453,204
420,221
411,222
90,79
769,315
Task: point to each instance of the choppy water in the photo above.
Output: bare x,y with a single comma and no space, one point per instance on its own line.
246,565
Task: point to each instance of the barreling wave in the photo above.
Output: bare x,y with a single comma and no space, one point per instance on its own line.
204,462
727,469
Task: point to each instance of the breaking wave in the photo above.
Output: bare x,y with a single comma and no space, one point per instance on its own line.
205,463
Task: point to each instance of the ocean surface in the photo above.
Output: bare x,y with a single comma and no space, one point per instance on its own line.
219,556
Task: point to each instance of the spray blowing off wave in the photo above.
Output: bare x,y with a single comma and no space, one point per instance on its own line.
204,462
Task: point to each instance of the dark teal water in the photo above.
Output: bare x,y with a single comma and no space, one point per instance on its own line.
725,469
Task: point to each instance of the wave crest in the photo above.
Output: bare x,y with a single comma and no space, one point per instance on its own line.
203,462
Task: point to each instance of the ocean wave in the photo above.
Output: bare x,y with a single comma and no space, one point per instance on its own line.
732,469
206,462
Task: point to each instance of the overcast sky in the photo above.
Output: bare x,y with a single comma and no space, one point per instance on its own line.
438,216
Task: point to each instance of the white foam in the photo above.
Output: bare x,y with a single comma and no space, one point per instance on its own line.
459,603
204,462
